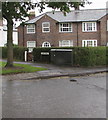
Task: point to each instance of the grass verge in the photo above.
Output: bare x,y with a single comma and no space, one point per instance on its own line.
19,68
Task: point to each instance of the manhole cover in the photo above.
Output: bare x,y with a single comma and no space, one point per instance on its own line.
73,80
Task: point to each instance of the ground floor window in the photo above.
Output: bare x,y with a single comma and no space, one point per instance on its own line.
89,43
31,45
46,44
65,43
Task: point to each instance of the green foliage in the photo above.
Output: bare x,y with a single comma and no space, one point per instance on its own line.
64,6
90,56
4,52
106,55
16,10
41,58
18,53
82,56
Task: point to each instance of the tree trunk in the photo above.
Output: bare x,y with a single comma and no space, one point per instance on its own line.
9,44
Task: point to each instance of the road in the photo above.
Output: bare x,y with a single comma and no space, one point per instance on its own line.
77,97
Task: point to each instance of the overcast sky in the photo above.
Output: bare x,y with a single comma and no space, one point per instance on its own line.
96,4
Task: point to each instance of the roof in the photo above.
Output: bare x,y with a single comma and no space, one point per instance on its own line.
74,16
34,19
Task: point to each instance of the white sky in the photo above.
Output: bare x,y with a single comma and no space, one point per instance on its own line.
96,4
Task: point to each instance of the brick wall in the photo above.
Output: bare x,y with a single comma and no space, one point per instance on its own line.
103,29
54,36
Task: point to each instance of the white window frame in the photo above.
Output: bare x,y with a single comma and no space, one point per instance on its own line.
61,43
31,47
86,26
30,28
43,44
61,27
43,27
85,43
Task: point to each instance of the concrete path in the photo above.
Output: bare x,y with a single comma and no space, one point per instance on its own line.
54,71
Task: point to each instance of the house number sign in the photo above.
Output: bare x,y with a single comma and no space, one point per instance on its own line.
44,53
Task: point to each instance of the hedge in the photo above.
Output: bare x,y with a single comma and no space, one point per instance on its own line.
18,52
41,58
82,56
90,56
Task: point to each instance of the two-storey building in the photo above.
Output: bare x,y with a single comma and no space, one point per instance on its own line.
77,28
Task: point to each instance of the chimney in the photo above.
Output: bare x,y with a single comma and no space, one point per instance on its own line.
31,15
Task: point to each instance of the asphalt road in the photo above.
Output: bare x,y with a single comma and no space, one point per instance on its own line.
82,97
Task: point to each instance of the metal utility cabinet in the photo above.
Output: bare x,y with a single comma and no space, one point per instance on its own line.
62,56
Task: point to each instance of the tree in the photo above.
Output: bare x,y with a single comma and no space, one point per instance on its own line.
13,11
19,10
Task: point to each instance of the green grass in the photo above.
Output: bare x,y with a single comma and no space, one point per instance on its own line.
19,68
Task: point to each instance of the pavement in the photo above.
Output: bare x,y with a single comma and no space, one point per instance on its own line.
55,71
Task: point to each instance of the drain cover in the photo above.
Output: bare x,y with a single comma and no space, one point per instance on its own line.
73,80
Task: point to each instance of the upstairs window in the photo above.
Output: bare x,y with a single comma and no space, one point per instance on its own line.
31,45
31,28
89,27
65,27
45,27
65,43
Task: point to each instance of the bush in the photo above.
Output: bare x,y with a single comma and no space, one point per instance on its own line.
90,56
18,53
82,56
106,55
4,52
38,57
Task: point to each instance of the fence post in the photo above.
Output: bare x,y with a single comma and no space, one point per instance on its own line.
25,56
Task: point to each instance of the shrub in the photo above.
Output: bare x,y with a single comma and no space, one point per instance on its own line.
90,56
106,55
38,57
18,52
82,56
4,52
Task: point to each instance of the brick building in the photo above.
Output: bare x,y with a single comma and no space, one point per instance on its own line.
77,28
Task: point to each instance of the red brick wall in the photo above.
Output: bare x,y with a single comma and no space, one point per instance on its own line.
107,31
54,35
103,29
87,35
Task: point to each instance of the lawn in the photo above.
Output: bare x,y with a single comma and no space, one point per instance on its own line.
19,68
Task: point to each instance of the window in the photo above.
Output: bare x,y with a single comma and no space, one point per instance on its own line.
31,28
45,27
65,27
89,27
65,43
89,43
31,45
46,44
